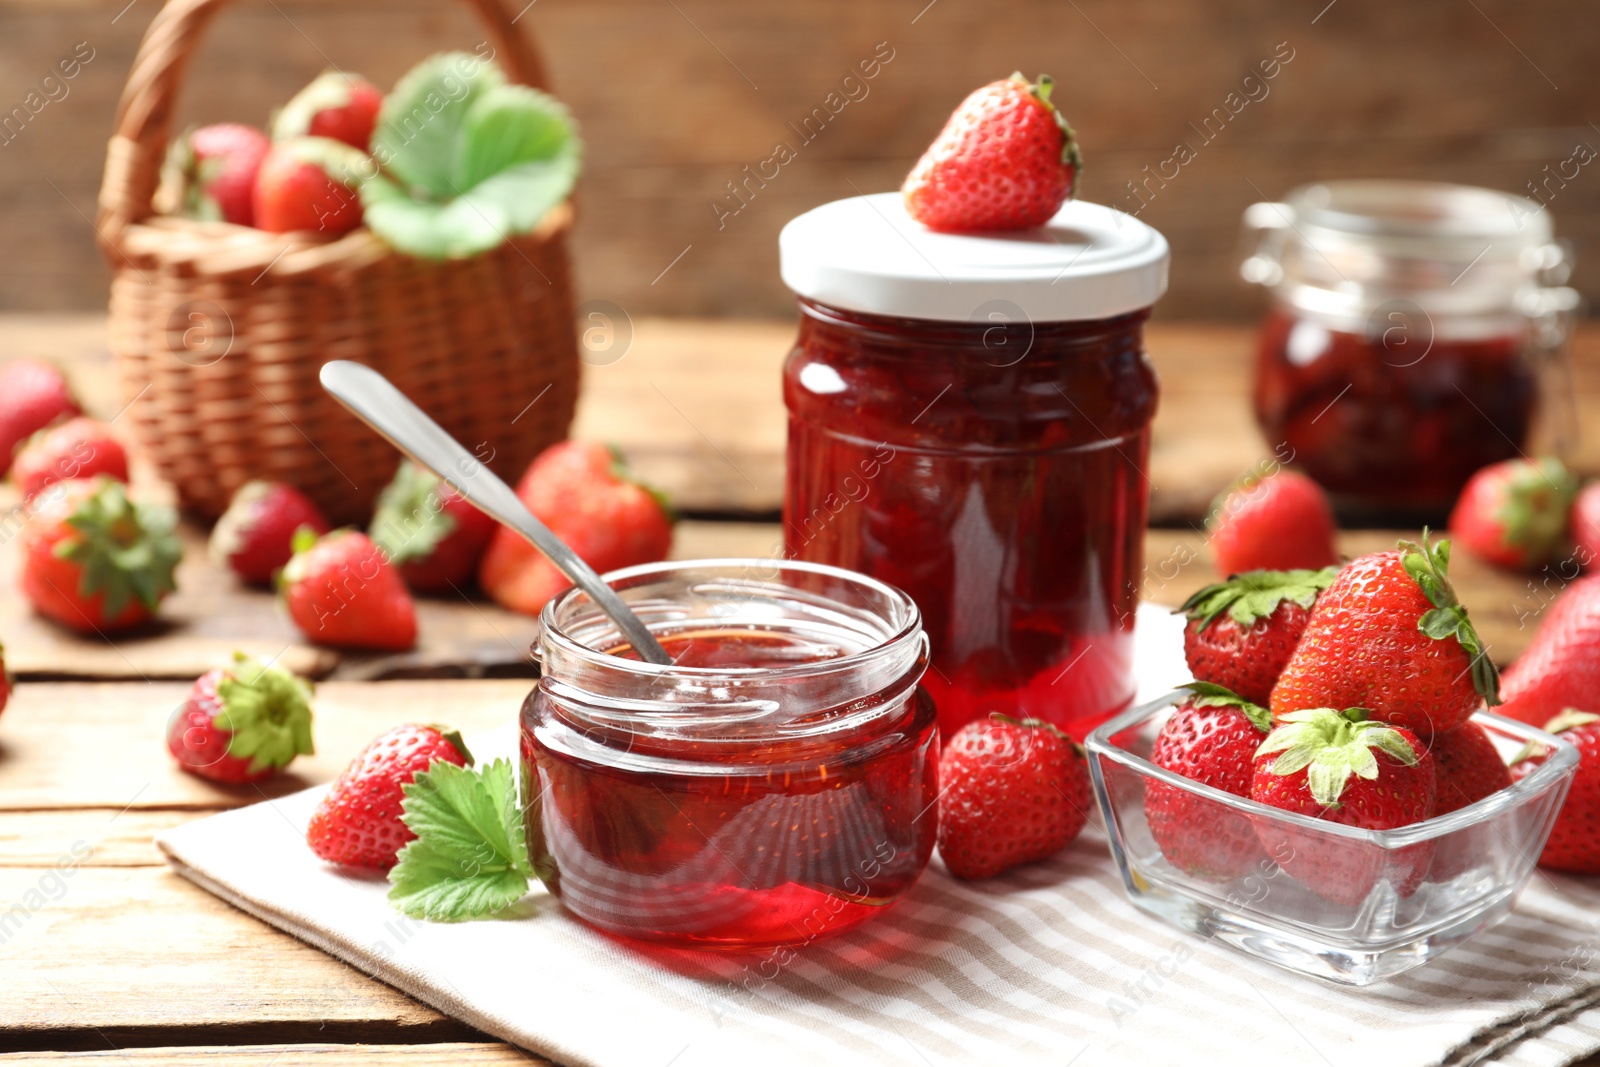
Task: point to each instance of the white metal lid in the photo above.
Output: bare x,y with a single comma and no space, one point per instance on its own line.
866,254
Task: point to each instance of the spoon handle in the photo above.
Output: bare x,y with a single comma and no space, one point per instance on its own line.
375,400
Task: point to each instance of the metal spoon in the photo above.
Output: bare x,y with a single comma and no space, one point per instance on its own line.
376,402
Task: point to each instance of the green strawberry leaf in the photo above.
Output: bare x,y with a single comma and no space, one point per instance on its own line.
1212,695
410,520
267,711
469,160
1332,746
1429,566
470,856
1255,595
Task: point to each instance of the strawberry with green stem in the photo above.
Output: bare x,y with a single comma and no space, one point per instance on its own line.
1211,738
242,723
1005,160
341,590
1390,635
1344,768
429,530
1241,632
1514,513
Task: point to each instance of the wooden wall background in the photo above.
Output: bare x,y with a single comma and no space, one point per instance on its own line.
676,97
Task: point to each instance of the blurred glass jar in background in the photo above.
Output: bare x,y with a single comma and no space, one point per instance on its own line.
1413,328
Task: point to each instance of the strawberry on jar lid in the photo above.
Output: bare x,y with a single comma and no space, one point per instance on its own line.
867,254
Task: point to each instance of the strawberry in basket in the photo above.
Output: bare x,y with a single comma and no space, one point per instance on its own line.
311,183
336,104
211,172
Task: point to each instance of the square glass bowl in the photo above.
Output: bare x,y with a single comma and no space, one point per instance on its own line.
1385,901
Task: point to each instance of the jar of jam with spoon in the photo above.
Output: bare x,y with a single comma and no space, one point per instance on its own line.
1413,328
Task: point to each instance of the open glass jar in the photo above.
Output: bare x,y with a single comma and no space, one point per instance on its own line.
1414,326
969,420
775,784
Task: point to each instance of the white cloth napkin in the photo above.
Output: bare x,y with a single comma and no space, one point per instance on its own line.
1047,965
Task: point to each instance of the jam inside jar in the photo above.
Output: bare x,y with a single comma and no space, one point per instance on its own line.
777,783
995,473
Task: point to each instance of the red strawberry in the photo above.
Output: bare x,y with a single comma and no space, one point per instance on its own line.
1212,738
357,823
78,448
430,531
1277,523
341,590
337,105
1012,792
1560,668
215,168
96,561
1242,631
1574,843
32,396
254,536
1468,766
1514,513
1005,160
242,723
1345,769
1585,523
310,183
581,492
1390,636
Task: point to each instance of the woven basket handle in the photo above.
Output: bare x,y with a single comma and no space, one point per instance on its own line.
138,146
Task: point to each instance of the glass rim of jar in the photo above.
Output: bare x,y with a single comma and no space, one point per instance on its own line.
554,622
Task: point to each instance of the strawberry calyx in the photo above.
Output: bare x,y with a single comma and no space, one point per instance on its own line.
266,711
1212,695
453,736
1429,566
1568,719
1332,746
623,473
1255,595
1071,153
1533,511
303,540
127,551
1038,724
411,519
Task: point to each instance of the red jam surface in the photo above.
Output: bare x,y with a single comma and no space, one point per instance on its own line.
1394,423
997,475
738,841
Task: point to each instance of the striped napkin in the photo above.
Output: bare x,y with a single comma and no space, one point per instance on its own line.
1048,965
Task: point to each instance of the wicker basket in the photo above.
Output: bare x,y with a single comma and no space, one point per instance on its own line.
219,330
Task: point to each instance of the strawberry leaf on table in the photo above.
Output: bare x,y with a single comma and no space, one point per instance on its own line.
468,159
1255,595
470,856
1429,566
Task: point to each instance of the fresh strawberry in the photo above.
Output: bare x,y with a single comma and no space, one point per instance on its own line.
1011,793
254,536
1574,842
1277,523
1342,768
1390,636
340,590
1212,738
242,723
337,105
1242,631
32,396
1005,160
581,492
357,823
1560,668
96,561
1514,513
1468,765
311,183
1585,524
430,530
214,169
78,448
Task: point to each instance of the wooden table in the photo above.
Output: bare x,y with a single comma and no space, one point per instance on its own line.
105,955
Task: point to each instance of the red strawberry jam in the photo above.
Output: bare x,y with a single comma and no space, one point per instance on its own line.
776,784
